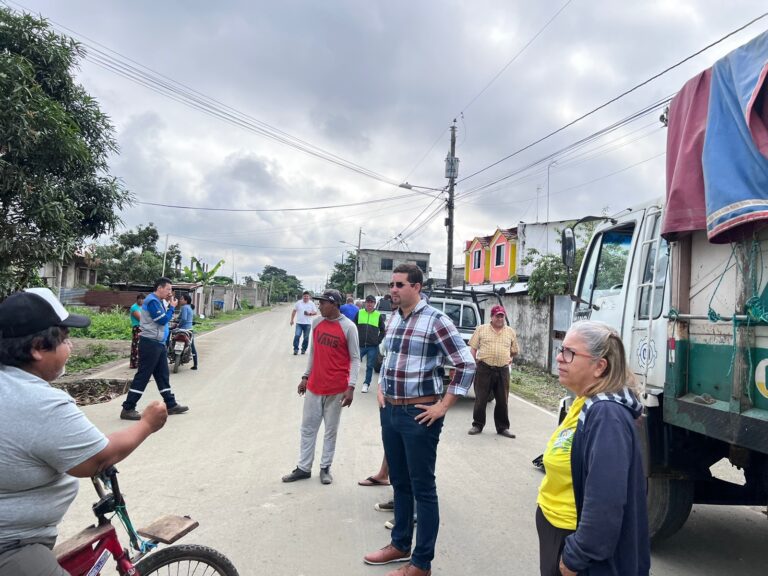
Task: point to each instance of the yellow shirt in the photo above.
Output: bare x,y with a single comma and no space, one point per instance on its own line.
556,499
494,348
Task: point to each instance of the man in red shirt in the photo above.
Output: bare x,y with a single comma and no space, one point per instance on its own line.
328,385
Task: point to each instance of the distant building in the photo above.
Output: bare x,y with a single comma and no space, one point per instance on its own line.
77,271
375,268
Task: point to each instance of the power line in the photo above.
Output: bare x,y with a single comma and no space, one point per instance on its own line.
614,99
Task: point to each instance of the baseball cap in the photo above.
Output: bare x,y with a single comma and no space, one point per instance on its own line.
370,298
498,309
331,296
34,310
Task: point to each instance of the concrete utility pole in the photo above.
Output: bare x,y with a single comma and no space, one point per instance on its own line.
451,172
357,256
165,253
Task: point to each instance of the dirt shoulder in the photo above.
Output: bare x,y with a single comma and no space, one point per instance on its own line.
536,386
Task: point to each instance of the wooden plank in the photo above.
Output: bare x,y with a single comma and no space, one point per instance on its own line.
168,529
81,540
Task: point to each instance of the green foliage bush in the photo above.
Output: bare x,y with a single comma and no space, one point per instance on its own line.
112,325
97,354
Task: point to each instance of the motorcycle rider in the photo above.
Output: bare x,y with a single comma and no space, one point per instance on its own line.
185,323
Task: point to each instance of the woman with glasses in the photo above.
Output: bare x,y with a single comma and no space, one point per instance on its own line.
591,516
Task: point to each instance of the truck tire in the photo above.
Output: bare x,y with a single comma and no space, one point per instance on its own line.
669,504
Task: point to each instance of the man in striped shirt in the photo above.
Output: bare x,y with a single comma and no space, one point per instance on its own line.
419,339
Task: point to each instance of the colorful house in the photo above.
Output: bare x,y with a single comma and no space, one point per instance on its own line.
491,259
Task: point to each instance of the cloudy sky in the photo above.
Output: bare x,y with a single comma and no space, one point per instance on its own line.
377,85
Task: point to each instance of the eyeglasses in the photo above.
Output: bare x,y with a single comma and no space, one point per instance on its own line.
401,284
568,354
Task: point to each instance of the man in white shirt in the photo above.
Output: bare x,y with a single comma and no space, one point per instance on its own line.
302,314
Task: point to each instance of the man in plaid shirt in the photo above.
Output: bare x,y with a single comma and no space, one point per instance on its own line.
418,340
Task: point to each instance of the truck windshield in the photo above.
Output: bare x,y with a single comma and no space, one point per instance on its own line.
607,264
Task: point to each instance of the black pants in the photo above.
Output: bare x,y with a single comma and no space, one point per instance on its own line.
551,542
153,361
491,381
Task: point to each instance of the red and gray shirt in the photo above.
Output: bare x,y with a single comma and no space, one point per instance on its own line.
334,358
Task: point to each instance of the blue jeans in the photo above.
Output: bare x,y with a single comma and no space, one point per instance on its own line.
370,353
411,451
301,330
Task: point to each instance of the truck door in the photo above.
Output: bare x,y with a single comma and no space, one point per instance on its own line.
605,276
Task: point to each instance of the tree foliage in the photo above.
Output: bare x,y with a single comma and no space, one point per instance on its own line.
55,189
343,276
133,257
283,286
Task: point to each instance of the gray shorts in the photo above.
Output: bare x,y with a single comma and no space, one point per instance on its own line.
30,560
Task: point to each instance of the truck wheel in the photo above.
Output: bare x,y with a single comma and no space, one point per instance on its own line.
669,504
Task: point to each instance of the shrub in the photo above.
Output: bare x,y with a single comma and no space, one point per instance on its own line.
112,325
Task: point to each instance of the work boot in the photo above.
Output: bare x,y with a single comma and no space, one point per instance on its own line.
297,474
474,430
178,409
129,415
410,570
386,555
325,475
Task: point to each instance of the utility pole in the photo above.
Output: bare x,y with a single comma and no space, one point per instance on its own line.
451,172
357,256
165,253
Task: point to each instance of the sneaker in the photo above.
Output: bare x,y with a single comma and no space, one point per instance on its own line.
474,430
193,368
387,506
297,474
129,415
389,524
295,352
178,409
365,388
386,555
506,433
325,475
303,351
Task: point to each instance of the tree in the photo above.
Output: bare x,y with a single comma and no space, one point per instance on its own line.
343,276
283,286
55,189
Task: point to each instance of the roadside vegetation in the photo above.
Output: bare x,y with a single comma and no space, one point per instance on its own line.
537,386
94,355
112,325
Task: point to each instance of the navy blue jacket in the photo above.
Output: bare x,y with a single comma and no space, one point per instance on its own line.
611,537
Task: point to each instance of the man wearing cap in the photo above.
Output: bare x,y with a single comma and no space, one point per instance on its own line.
370,333
328,385
46,442
418,340
349,309
302,313
493,346
153,360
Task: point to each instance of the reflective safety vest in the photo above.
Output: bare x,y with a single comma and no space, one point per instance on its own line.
372,318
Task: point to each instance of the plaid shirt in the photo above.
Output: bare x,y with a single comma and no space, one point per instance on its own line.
416,347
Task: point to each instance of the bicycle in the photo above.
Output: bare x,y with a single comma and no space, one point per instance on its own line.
88,552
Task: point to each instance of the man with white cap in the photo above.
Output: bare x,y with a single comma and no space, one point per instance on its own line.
46,442
493,346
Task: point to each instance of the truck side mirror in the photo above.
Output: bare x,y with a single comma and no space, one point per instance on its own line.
568,242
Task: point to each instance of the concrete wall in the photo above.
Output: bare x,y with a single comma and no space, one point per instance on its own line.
531,322
370,271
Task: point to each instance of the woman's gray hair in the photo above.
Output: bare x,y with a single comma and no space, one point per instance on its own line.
603,341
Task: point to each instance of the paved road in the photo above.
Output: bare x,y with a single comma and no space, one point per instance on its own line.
221,463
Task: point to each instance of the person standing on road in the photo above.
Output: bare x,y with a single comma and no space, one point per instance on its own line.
135,315
302,313
349,309
493,347
370,333
46,442
591,516
418,340
328,385
153,354
186,318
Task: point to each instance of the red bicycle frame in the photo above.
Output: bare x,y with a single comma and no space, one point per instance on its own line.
89,551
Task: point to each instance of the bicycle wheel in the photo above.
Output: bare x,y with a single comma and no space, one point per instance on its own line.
186,560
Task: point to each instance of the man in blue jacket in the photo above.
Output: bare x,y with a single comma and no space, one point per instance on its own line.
153,360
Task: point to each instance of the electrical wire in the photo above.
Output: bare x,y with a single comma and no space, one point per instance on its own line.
615,98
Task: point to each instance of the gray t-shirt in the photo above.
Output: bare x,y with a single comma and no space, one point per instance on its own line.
42,435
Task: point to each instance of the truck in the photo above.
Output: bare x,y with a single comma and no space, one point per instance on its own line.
684,281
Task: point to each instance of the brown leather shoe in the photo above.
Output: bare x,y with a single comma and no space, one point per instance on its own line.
386,555
410,570
506,433
474,430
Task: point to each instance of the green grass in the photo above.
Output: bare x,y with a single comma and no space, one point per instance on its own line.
97,355
536,386
112,325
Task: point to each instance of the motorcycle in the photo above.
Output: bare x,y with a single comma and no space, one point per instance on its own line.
179,347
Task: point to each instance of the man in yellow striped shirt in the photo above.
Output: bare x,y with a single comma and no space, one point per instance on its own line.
493,346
